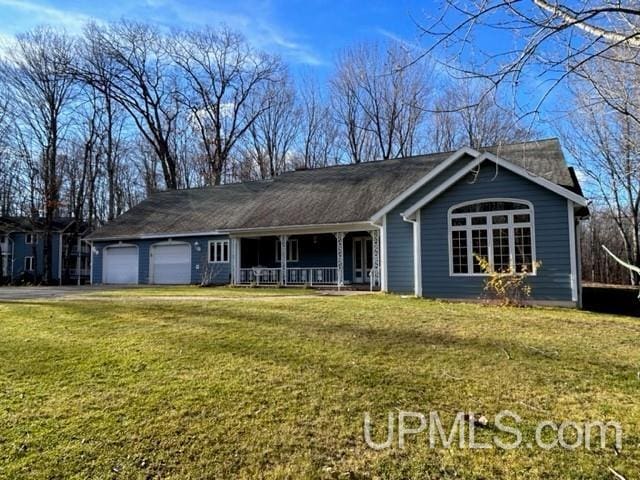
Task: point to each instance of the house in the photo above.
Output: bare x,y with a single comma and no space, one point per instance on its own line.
22,244
408,225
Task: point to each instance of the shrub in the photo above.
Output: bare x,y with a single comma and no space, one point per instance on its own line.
508,287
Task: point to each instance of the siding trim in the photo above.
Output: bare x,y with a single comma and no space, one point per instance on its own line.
383,256
573,251
410,212
417,256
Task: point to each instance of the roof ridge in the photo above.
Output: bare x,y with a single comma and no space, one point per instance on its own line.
375,162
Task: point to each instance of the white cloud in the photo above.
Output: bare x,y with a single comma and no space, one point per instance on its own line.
71,21
254,26
250,19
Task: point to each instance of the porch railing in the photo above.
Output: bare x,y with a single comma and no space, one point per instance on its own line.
312,276
294,276
260,276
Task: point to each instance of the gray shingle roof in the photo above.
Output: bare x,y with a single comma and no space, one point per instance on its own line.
10,224
340,194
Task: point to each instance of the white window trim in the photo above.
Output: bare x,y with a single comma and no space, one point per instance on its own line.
33,237
33,263
290,251
488,227
209,251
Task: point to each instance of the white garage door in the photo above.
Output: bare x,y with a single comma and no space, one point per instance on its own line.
120,264
171,263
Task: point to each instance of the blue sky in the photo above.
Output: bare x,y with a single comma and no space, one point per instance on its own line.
306,33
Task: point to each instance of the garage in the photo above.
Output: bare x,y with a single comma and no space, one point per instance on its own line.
170,263
121,264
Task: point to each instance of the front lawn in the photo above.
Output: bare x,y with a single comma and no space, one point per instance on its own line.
137,387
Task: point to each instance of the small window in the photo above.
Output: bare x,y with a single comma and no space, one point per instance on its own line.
219,251
3,239
29,238
29,264
292,250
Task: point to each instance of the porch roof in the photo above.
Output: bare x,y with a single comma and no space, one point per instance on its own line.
332,195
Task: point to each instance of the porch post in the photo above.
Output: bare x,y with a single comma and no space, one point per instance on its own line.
340,258
284,239
374,280
235,261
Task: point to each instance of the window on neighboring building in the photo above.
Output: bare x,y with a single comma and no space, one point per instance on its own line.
500,231
29,264
219,251
292,250
29,238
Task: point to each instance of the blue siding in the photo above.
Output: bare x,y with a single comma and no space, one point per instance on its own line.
400,234
199,258
21,250
552,282
399,251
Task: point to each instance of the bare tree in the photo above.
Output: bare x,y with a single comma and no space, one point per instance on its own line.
224,83
36,72
605,143
318,136
380,101
101,70
272,135
551,39
128,63
465,115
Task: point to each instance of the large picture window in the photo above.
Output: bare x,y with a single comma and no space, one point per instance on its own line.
499,230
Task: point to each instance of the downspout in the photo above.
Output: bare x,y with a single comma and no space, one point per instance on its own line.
417,253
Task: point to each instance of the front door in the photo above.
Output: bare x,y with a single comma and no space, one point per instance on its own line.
362,259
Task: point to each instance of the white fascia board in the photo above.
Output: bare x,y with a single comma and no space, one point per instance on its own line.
153,236
423,181
568,194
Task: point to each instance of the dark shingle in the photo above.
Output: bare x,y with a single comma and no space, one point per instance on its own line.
340,194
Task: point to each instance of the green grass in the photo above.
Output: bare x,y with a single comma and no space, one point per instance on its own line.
277,387
195,291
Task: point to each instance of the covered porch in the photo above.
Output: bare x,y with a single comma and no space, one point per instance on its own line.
339,259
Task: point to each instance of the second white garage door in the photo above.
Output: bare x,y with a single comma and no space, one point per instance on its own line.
170,263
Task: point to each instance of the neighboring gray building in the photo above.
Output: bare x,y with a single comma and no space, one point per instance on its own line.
407,225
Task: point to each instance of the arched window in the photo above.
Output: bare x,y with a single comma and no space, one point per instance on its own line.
499,230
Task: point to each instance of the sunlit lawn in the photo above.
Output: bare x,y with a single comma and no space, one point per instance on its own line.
136,387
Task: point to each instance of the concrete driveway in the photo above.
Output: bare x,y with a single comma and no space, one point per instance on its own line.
26,293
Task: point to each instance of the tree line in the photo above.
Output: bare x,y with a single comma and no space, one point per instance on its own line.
91,124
